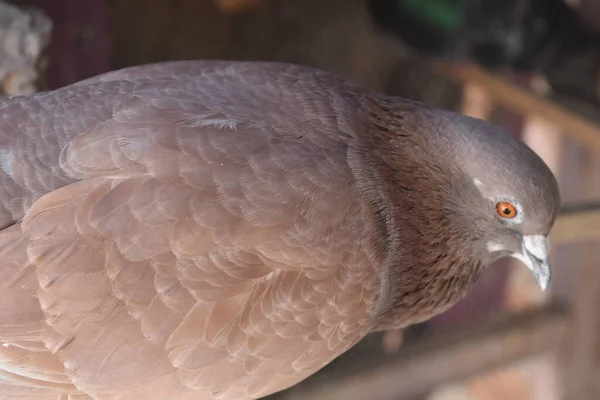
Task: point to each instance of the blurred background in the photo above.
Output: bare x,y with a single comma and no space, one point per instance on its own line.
532,66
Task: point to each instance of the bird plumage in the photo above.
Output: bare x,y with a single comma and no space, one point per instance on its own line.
212,230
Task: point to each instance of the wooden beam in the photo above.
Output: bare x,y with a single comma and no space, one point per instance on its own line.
576,225
446,358
524,102
476,102
237,6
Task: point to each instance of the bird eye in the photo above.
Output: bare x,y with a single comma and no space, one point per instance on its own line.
506,209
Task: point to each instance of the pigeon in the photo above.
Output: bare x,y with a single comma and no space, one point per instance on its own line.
207,230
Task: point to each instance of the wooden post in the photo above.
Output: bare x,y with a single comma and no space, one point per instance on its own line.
581,356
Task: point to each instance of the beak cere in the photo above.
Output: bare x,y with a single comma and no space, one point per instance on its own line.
535,255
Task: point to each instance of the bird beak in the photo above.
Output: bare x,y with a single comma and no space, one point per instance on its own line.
535,254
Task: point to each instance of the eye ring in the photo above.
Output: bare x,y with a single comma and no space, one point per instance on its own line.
506,210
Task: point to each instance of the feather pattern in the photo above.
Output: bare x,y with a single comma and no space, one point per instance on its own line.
206,230
167,237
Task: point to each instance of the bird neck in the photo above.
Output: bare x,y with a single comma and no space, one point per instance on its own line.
425,265
422,277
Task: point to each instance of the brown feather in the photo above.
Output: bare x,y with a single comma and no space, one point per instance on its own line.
209,230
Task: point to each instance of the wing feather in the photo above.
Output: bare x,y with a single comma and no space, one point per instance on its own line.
188,249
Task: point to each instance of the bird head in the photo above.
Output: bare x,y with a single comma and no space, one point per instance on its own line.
508,197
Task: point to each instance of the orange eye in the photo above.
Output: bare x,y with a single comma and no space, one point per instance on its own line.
506,209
